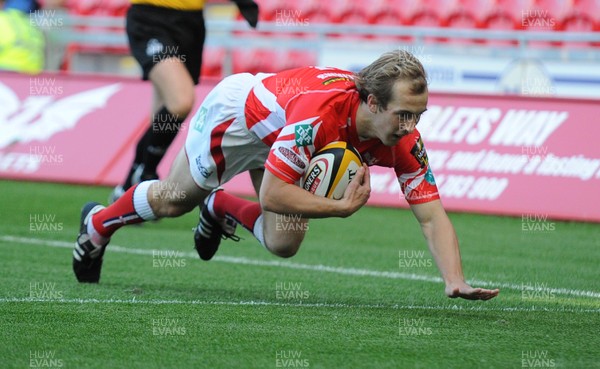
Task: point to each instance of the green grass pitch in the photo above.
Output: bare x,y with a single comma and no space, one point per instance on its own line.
363,292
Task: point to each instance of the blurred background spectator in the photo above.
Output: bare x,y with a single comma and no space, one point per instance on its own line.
21,42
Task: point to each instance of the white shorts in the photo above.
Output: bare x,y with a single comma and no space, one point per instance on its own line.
218,144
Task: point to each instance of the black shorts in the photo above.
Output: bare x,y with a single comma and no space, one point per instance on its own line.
157,33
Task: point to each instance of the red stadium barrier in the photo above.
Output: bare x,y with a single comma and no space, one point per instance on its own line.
511,155
79,129
521,156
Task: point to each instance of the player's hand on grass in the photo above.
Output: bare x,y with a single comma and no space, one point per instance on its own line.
358,191
463,290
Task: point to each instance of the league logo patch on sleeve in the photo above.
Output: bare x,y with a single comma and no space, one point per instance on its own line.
419,152
199,119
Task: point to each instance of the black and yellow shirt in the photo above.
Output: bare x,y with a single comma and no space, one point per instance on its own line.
173,4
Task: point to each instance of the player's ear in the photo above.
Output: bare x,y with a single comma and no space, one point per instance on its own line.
372,103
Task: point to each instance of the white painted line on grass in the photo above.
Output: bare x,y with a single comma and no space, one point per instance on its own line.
313,267
299,305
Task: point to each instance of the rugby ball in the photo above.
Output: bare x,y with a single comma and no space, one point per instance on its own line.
331,169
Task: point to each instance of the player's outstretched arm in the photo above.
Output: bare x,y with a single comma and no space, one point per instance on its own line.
278,196
443,244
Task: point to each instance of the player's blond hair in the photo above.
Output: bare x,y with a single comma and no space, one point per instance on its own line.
378,77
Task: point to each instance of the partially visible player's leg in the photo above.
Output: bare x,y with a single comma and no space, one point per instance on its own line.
148,200
135,174
173,89
220,146
281,234
167,43
171,79
278,233
178,193
221,211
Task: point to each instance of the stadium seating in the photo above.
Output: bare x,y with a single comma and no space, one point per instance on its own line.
525,15
494,14
212,62
313,12
427,13
388,17
541,15
584,16
269,61
84,7
103,8
463,14
115,8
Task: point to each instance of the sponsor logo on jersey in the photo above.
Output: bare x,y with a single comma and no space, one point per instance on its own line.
335,74
304,134
205,172
153,47
418,151
292,157
429,176
335,79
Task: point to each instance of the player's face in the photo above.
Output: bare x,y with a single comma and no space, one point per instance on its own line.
401,115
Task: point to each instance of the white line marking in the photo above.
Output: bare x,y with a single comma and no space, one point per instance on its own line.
300,305
313,267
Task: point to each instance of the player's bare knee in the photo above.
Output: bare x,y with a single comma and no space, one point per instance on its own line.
284,251
284,247
181,105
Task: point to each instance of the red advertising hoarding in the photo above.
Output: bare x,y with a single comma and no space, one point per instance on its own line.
517,155
522,156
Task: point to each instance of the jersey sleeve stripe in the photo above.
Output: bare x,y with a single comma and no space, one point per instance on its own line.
268,99
279,173
265,127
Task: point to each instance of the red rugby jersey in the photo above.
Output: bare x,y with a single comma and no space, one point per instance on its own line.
298,111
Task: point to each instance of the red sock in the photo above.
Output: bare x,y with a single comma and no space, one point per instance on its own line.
245,212
120,213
